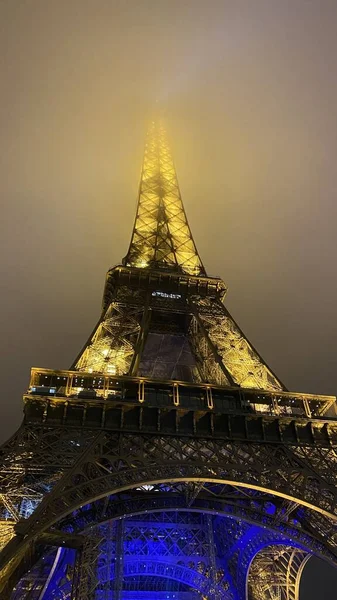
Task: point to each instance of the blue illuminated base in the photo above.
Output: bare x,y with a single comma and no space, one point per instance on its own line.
174,555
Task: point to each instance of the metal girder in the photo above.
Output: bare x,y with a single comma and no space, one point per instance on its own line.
114,462
169,548
239,504
32,461
111,348
250,551
119,560
170,451
223,354
209,553
122,461
86,577
235,355
63,446
161,235
275,573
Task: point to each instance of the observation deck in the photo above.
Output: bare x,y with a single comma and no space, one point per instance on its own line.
140,404
174,285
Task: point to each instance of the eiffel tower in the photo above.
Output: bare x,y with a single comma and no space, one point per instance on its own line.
169,462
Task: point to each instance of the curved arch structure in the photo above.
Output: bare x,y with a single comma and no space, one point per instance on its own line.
170,547
275,472
115,462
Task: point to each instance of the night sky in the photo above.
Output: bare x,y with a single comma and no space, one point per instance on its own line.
249,89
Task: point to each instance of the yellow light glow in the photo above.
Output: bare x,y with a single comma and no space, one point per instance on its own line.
142,264
162,238
161,234
110,350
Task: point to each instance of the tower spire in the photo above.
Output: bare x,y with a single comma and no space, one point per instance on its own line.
161,236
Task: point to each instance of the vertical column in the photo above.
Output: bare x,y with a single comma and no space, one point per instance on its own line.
119,560
86,576
275,573
213,591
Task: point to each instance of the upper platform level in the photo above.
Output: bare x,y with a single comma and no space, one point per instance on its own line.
163,282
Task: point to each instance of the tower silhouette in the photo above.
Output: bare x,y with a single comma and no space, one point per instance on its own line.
169,462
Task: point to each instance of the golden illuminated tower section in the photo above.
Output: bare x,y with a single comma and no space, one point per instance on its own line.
161,235
164,320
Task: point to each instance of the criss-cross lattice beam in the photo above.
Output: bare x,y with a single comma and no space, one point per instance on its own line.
110,349
226,354
240,505
175,547
155,549
31,463
114,462
275,573
161,235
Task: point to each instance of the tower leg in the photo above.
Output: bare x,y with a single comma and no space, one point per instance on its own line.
86,579
212,558
101,561
119,560
275,574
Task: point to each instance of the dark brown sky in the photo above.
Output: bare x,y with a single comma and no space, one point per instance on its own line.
249,88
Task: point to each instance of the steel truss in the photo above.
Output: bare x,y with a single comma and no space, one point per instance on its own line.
170,459
181,548
164,547
275,573
221,352
117,462
161,235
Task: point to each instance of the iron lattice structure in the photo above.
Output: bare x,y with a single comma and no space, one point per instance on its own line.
169,461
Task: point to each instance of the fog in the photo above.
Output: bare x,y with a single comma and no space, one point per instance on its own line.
249,93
